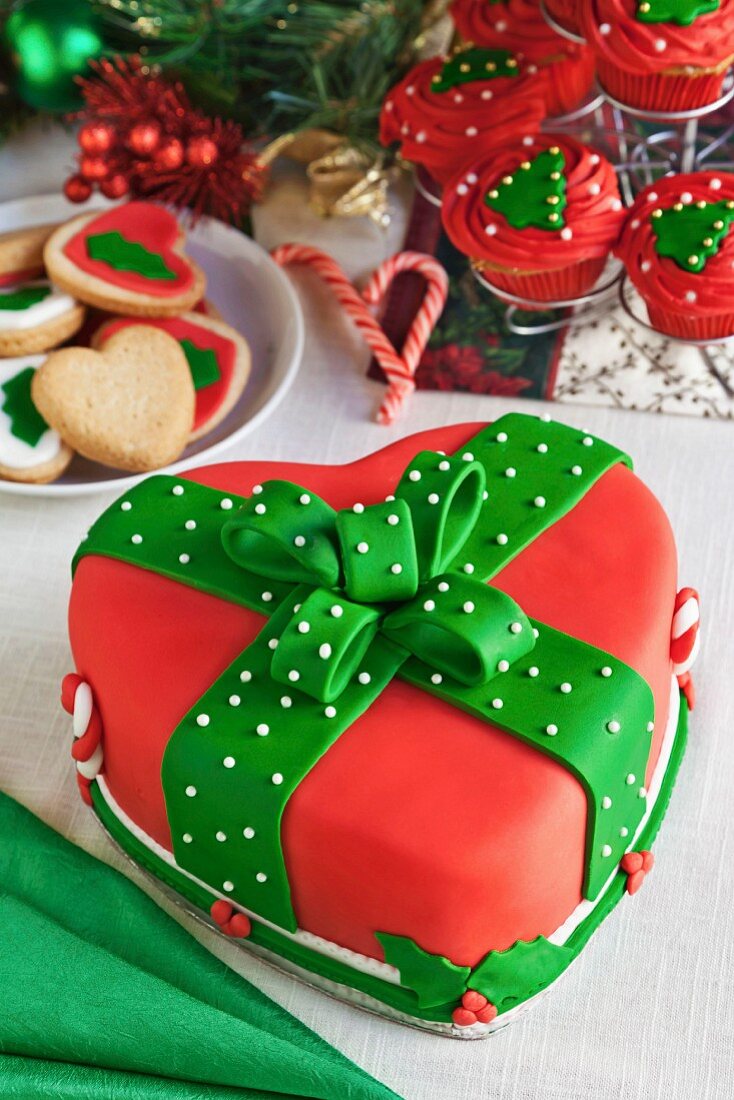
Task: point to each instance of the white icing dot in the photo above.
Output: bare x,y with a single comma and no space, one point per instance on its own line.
539,502
686,198
606,802
410,90
510,471
396,568
652,196
286,701
468,456
594,188
566,233
358,508
624,831
364,678
136,539
260,509
184,558
126,506
177,490
613,726
248,833
429,605
330,712
471,177
660,45
461,189
261,876
299,540
444,466
605,28
587,441
542,448
551,729
276,778
414,475
642,793
273,643
294,675
645,265
501,437
606,672
650,727
226,504
503,665
576,471
691,296
202,719
262,729
229,761
433,498
187,838
420,136
515,628
303,627
325,651
468,607
468,568
635,223
257,489
631,778
497,704
502,539
566,688
245,676
228,886
191,792
337,611
393,520
615,204
471,131
533,671
490,229
436,678
190,525
363,547
266,597
389,497
606,850
527,140
715,184
304,498
221,837
234,700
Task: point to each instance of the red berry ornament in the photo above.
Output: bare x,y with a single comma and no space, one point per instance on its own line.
96,137
636,866
77,189
201,152
170,155
239,926
115,187
474,1009
144,138
93,168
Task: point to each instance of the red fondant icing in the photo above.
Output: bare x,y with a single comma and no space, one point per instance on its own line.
210,397
378,836
150,225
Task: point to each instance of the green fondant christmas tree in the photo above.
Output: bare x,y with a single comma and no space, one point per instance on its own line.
535,195
690,234
682,12
202,364
123,255
24,297
26,423
474,64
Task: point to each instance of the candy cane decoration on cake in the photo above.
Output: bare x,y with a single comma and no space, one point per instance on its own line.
77,700
685,639
399,368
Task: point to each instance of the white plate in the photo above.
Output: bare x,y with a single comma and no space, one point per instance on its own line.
252,294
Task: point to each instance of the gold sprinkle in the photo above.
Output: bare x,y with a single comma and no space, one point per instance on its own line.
525,165
555,175
707,242
553,217
436,79
644,7
718,224
730,204
464,67
692,261
553,200
701,204
511,63
679,205
490,67
554,149
507,179
494,194
657,213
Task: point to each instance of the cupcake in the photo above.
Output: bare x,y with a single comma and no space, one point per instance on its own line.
678,248
538,218
447,108
519,25
657,55
565,13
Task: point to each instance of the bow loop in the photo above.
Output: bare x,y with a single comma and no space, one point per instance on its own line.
378,550
285,533
463,628
445,496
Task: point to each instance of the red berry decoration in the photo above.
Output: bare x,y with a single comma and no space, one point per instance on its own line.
201,152
96,137
144,138
636,865
77,189
170,155
239,926
474,1009
115,186
93,168
221,911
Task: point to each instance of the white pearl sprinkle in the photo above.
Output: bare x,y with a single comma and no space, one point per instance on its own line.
485,495
286,701
277,778
257,489
234,700
177,490
393,520
273,643
502,539
497,704
389,497
358,508
605,28
303,627
429,605
588,441
566,233
660,44
606,850
184,558
551,729
330,712
126,506
266,597
539,502
325,651
490,229
443,586
606,802
471,177
420,136
461,189
433,498
364,678
566,688
248,833
294,675
262,729
436,678
715,184
503,665
136,539
606,672
191,791
468,607
229,761
304,498
414,475
471,131
576,471
260,509
691,296
444,466
261,876
501,437
221,837
645,266
363,547
642,793
202,719
299,540
650,727
190,525
228,886
468,456
226,504
542,448
510,471
631,778
533,671
613,726
396,568
187,838
515,628
624,831
245,676
468,568
536,632
594,188
337,611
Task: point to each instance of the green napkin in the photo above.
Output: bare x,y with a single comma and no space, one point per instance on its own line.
103,995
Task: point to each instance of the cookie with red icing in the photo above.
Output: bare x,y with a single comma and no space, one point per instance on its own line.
661,55
519,25
447,107
539,217
678,248
21,254
218,356
129,259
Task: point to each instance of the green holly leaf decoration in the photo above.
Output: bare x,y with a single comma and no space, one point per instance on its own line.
691,233
474,64
508,977
435,979
124,255
24,297
26,423
535,195
202,364
682,12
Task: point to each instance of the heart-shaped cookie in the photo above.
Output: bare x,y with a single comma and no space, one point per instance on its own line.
130,406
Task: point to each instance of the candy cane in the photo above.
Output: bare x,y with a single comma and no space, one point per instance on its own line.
399,368
685,640
77,700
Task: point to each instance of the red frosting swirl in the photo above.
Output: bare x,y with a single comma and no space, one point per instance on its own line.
442,130
513,25
619,38
659,279
592,217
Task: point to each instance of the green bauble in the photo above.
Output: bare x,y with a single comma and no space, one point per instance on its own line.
50,42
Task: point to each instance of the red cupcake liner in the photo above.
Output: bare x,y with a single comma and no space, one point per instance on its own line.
569,80
548,286
690,327
658,91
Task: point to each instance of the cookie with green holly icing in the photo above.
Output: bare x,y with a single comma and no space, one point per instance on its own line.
127,260
21,253
218,357
30,450
36,316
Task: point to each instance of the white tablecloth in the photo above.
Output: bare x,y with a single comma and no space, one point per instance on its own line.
648,1010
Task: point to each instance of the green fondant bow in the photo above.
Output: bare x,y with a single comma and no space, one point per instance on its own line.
380,568
234,760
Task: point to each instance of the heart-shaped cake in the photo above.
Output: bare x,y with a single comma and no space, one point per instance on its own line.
407,727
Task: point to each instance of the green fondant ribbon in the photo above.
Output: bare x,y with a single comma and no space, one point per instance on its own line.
234,760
